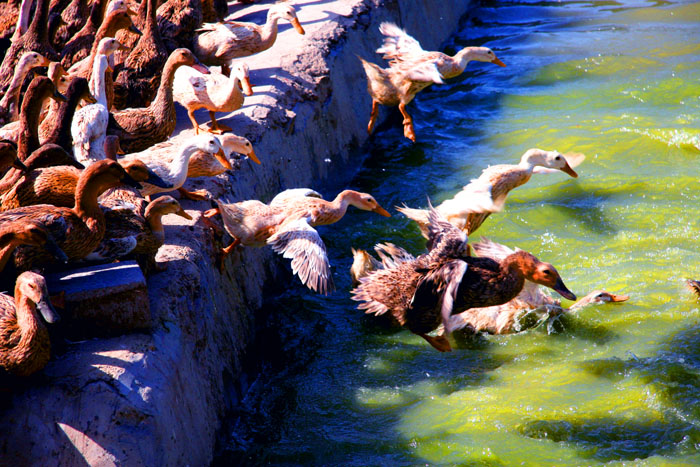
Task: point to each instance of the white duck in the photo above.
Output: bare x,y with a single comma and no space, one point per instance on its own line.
175,172
89,126
490,190
9,105
215,92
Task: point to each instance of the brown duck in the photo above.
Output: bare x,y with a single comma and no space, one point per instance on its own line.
426,292
25,347
34,40
77,231
23,232
140,128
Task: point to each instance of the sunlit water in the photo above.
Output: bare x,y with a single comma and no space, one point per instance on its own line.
619,81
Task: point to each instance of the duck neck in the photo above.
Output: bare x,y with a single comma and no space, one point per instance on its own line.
269,30
162,106
339,206
155,222
10,100
29,123
97,80
86,207
512,275
23,20
61,133
28,322
38,29
179,165
97,14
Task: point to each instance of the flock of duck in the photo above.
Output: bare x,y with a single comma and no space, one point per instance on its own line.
67,197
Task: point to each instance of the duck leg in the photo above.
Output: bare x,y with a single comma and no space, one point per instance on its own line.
195,125
407,123
373,116
216,127
439,343
205,220
224,252
197,195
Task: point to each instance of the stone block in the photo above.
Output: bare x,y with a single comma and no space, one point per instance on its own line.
103,300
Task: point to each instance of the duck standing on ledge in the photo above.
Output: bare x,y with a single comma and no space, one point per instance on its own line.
423,293
286,224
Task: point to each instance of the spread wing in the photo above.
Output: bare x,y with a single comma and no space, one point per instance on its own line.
298,241
443,236
397,43
240,31
392,255
476,197
427,72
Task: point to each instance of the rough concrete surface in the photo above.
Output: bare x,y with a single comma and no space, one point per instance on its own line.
157,398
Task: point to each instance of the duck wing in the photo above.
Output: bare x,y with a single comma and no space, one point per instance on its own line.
292,193
444,239
300,242
397,43
438,290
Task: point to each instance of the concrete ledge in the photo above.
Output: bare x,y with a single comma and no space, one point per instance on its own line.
158,398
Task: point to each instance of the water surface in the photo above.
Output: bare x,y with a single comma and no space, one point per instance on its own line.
619,384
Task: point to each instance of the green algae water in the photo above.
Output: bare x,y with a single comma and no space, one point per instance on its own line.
611,384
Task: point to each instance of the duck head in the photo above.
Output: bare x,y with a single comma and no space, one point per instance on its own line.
542,273
107,174
33,60
109,45
212,145
286,12
119,5
186,57
479,54
165,205
548,159
233,143
33,286
140,172
241,71
363,201
8,156
598,297
26,232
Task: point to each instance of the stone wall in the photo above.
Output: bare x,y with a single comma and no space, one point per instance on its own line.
158,398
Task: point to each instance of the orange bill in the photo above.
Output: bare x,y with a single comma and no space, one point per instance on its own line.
297,26
221,157
498,62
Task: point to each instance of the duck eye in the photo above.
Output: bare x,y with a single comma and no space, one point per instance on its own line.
558,158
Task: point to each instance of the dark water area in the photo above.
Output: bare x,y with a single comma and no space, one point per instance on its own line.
616,80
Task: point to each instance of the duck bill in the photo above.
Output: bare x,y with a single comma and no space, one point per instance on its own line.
58,97
47,311
498,62
130,12
89,98
561,289
297,25
247,88
221,157
155,179
119,148
18,164
199,66
135,30
55,250
254,157
183,213
567,168
619,298
381,211
123,47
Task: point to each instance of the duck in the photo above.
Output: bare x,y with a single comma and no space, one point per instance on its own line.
219,43
89,125
35,39
137,80
141,128
529,308
205,164
26,133
130,233
177,22
25,347
363,263
76,53
46,156
403,50
14,234
56,185
8,156
9,104
74,17
214,92
287,225
78,230
397,87
175,172
56,128
491,189
423,293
